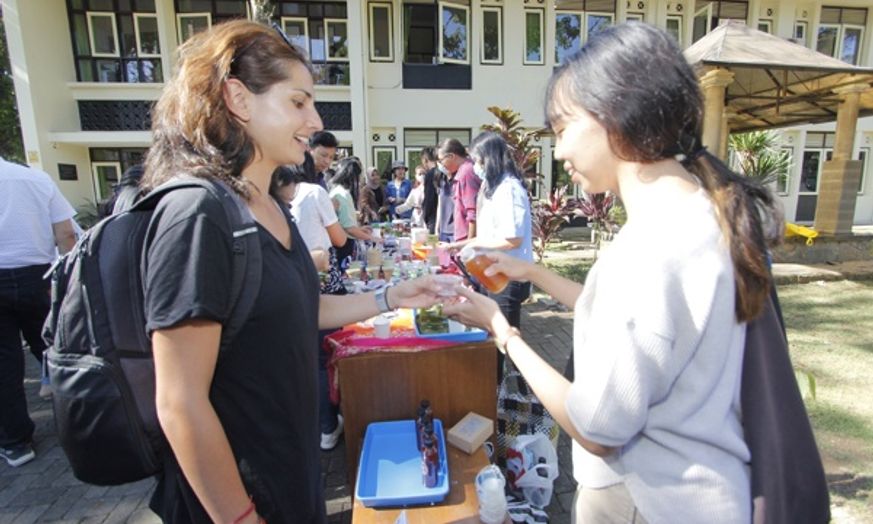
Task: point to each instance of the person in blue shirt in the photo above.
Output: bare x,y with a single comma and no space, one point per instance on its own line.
398,189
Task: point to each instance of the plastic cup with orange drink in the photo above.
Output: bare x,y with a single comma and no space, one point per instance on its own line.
476,261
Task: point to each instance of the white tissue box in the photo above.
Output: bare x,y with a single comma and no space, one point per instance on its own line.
472,430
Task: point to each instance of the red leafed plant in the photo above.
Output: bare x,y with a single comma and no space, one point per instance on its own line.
549,216
508,125
596,207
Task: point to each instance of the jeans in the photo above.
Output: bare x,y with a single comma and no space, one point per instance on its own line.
510,300
327,411
24,305
447,237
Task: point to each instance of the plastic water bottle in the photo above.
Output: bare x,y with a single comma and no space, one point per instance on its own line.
492,499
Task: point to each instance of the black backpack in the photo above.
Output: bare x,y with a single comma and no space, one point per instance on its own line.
100,358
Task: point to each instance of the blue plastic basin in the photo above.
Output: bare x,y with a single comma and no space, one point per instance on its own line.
389,472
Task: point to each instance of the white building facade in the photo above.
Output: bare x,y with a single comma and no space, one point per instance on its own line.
393,75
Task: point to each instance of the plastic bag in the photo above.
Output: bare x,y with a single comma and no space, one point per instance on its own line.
531,468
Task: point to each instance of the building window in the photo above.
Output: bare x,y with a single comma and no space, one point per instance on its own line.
419,138
146,28
454,35
783,179
597,22
568,34
189,24
765,26
533,30
841,33
635,17
115,41
321,28
674,27
800,31
412,156
817,150
532,178
381,33
710,14
297,31
337,39
491,35
107,166
383,157
103,34
419,24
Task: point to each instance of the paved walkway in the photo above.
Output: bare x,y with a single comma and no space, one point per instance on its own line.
45,490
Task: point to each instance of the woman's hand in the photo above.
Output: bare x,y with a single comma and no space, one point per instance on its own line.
514,268
474,309
418,293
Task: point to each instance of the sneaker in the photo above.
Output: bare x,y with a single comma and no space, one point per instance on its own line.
330,440
18,454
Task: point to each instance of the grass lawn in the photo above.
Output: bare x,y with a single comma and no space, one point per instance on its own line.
830,334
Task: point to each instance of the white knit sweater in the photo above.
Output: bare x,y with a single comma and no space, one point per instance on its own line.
658,358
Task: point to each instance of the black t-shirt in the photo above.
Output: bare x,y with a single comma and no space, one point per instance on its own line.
379,193
265,385
429,203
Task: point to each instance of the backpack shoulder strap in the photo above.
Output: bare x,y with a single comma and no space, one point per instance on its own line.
245,244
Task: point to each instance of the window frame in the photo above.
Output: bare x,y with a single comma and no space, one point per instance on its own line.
482,59
370,18
441,6
766,22
635,17
93,14
327,23
182,16
95,183
139,51
805,39
865,151
588,14
536,190
842,41
787,190
411,166
681,20
541,13
383,149
823,157
301,19
582,27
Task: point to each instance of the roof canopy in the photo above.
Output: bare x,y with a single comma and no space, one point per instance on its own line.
776,83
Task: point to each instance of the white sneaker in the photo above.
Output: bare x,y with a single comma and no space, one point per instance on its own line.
330,440
45,391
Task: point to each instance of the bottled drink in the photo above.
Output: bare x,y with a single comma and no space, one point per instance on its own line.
430,459
423,418
476,262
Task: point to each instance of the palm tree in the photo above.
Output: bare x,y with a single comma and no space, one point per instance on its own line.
758,156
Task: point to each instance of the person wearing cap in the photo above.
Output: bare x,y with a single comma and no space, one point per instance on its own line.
398,189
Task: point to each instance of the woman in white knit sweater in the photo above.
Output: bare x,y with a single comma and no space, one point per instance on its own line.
659,326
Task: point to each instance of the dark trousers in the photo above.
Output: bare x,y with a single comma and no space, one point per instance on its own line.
24,305
510,300
327,411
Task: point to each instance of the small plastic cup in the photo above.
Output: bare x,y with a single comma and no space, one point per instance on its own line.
382,327
447,284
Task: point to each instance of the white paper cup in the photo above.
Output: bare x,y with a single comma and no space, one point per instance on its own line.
382,327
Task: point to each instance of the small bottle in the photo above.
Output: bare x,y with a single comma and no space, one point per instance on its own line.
364,276
425,415
430,459
381,273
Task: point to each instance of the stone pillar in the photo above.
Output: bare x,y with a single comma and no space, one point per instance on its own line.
838,191
714,84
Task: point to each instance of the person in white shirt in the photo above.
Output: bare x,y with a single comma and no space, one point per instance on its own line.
503,219
35,225
415,200
660,326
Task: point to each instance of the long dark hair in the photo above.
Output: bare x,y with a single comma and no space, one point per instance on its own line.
194,132
635,81
496,158
348,173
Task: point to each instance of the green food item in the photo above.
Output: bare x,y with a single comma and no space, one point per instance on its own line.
432,321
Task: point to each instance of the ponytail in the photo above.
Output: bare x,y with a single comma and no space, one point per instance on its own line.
751,223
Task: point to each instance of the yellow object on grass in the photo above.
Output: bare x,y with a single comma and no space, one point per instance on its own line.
793,230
